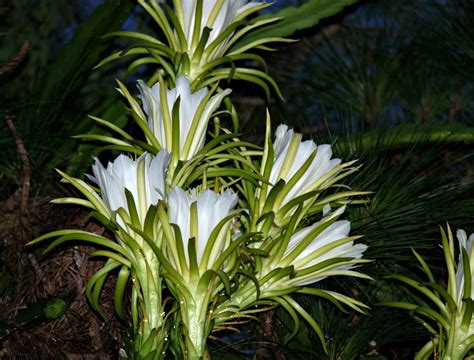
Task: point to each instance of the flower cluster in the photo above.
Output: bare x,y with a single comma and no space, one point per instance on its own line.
187,214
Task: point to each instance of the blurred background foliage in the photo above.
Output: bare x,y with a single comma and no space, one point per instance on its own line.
390,83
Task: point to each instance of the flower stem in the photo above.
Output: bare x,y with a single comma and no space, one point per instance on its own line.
197,330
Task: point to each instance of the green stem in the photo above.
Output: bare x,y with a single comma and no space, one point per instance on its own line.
197,329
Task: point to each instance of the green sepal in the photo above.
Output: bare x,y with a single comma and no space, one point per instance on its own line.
119,54
132,209
120,287
111,255
238,34
293,315
169,272
87,191
283,211
424,266
179,30
76,235
419,309
111,126
165,113
308,239
151,221
139,118
225,281
96,282
448,249
193,261
105,221
196,122
416,285
272,196
222,37
426,352
294,179
175,130
266,222
180,249
290,229
468,312
160,18
145,350
350,302
273,294
226,172
210,244
133,35
277,274
75,201
329,263
201,46
249,274
302,312
231,59
442,291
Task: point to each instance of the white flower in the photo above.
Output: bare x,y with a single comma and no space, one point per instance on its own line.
211,209
192,122
143,177
466,244
291,154
320,248
229,11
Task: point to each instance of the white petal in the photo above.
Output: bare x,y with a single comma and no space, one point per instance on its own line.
189,103
179,203
212,208
189,9
152,106
157,175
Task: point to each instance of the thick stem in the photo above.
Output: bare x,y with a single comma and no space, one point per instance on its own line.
197,330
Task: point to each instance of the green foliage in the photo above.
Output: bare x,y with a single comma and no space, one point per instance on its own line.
393,61
52,107
296,18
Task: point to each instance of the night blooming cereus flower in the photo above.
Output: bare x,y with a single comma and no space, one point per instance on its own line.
204,218
317,251
301,163
297,172
218,16
300,257
144,178
185,136
201,254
